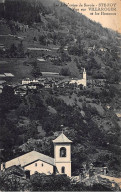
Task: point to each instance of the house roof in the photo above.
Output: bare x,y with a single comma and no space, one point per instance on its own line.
29,158
41,59
8,74
2,81
2,75
62,139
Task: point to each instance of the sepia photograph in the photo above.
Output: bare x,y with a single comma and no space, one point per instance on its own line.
60,96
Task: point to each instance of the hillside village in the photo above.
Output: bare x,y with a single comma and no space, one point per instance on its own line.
60,80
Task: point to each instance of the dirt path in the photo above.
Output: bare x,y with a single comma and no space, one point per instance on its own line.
116,180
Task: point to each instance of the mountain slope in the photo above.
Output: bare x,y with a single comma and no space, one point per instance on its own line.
70,42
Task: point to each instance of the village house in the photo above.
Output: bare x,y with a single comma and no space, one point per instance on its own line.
1,88
20,91
28,81
38,83
66,48
8,74
21,27
2,48
47,85
38,162
2,76
41,59
118,114
2,83
91,48
108,107
102,49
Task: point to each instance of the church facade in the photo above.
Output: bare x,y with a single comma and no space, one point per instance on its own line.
38,162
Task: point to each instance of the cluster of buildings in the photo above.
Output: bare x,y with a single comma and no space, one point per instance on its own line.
96,82
102,49
47,81
34,84
34,161
20,26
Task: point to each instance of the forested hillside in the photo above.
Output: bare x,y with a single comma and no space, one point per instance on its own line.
52,24
72,43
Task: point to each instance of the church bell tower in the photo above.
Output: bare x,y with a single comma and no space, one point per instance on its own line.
62,154
84,78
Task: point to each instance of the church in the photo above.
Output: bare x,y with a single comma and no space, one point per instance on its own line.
82,81
38,162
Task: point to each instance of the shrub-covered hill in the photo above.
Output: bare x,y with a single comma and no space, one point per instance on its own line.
74,42
32,122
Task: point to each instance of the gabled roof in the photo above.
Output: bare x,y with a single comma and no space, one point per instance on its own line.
8,74
62,139
2,75
29,158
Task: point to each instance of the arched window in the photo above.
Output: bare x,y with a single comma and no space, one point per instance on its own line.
63,170
62,152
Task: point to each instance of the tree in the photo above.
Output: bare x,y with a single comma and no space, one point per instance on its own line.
42,182
35,39
36,70
42,39
77,63
8,100
65,71
13,50
11,180
20,50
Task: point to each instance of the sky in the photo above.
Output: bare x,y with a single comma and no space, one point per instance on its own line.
108,21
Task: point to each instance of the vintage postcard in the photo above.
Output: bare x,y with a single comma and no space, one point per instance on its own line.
60,95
